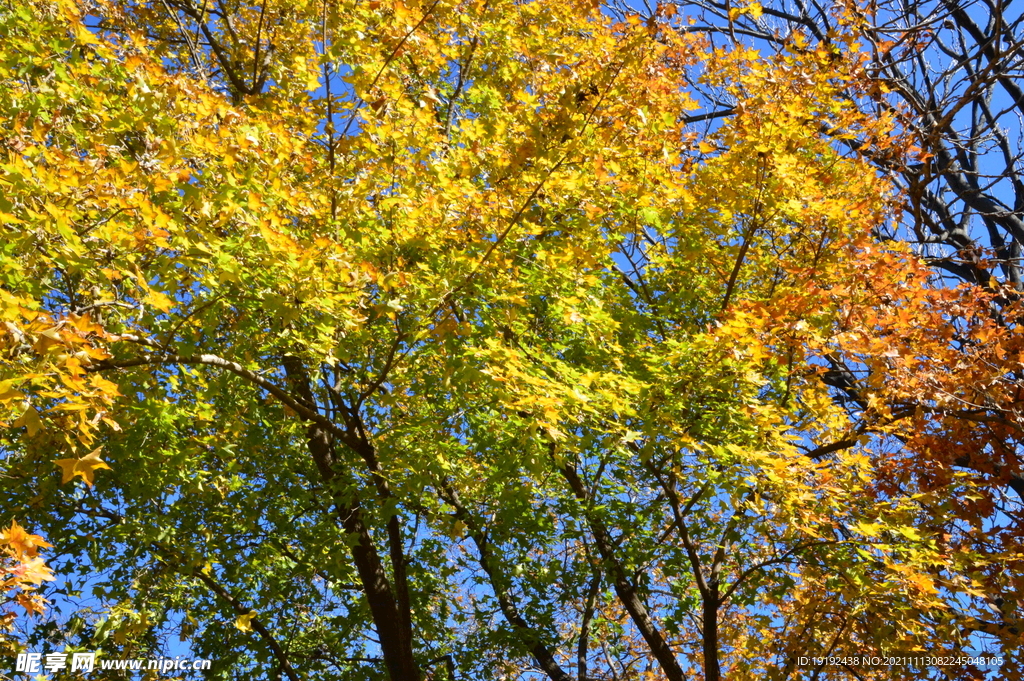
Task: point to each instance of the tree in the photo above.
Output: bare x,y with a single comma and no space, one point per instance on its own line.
945,74
431,339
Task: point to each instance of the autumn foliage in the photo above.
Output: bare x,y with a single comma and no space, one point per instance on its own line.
473,340
22,571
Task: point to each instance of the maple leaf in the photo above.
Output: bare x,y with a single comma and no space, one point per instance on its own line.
23,543
85,467
32,603
33,571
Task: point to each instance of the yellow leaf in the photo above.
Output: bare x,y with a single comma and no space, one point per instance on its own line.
868,529
458,529
30,419
47,339
923,583
9,394
85,467
85,36
244,622
909,533
103,385
159,301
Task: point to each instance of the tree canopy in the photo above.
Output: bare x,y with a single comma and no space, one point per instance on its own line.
493,339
